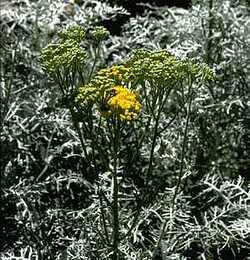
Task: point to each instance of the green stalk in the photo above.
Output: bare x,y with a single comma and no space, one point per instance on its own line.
184,145
209,47
183,150
210,32
151,157
115,255
103,218
77,128
97,52
162,101
62,86
115,206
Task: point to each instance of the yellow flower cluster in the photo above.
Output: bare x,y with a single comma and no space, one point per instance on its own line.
123,103
116,72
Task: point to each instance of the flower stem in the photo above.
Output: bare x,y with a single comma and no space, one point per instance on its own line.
96,53
115,190
151,157
156,132
115,218
183,150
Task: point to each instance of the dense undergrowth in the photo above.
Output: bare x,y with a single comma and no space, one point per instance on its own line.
183,194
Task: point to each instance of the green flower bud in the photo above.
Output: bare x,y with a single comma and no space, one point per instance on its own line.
87,95
161,68
99,34
76,33
56,57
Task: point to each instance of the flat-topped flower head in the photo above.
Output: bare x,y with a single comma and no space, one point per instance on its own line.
56,57
155,67
99,34
104,82
116,73
159,69
87,95
66,54
163,68
76,33
122,103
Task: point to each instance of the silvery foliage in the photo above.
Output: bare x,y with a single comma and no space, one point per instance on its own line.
183,228
46,14
185,31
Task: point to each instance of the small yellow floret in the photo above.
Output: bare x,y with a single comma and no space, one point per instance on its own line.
124,103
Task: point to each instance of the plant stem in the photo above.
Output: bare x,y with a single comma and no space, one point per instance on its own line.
156,134
151,157
97,50
115,218
183,150
184,144
77,128
209,47
103,218
210,32
115,206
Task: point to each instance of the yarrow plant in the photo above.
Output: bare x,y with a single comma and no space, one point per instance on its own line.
113,107
176,163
